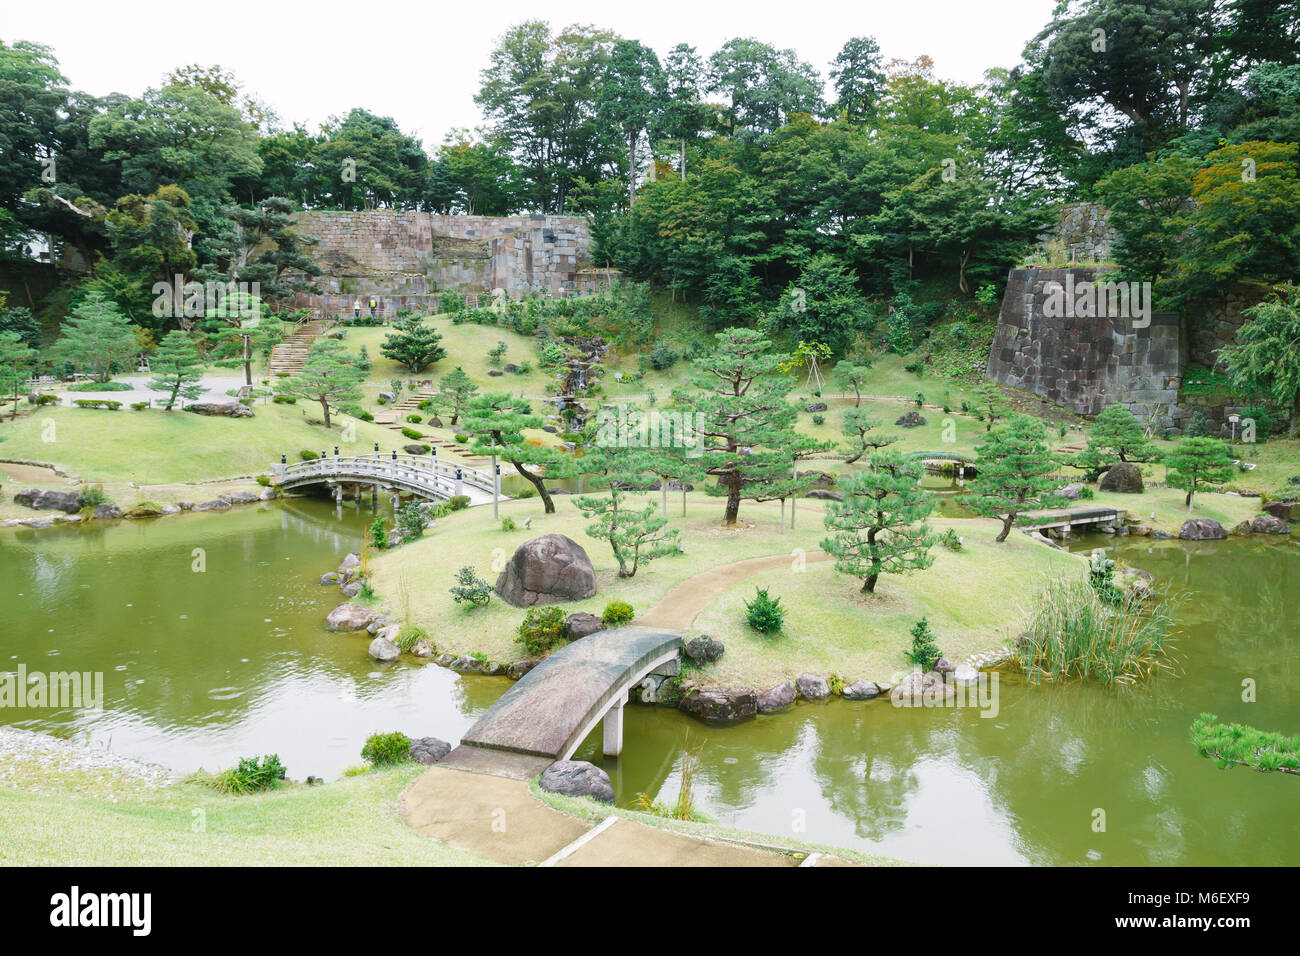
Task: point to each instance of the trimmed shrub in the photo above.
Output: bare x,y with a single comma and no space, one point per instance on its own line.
764,614
412,433
264,480
385,750
414,419
285,400
459,502
470,589
925,651
508,524
616,612
139,406
96,403
308,455
542,628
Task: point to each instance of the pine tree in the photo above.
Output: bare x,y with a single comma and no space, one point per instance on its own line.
1198,461
635,535
497,421
925,652
177,368
879,527
750,442
15,357
852,375
414,344
96,336
329,376
857,424
1013,472
1115,436
455,391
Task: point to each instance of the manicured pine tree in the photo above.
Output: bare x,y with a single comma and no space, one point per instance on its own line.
330,376
497,421
1014,469
879,527
96,336
15,358
852,376
1115,436
414,345
635,535
857,426
242,326
455,391
748,425
177,368
1195,462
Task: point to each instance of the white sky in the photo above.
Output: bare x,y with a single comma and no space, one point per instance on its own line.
420,62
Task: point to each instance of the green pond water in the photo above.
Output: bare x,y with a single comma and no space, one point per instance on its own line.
203,667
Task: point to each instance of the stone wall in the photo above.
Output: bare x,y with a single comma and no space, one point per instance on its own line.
1083,232
1084,363
409,257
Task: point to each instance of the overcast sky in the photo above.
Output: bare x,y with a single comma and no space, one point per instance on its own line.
420,62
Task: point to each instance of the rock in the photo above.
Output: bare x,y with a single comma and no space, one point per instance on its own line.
351,589
267,494
703,649
379,622
331,577
445,660
722,704
861,690
37,523
215,505
107,509
519,668
777,698
227,409
1201,529
550,429
815,407
495,372
819,477
186,505
435,422
650,688
350,563
1269,524
382,649
547,570
414,449
1241,528
171,509
824,494
1141,530
965,676
512,368
910,420
918,690
813,686
1280,509
467,665
143,511
387,398
422,648
577,778
1071,491
349,617
943,667
581,624
241,497
558,491
493,668
429,750
69,502
1124,477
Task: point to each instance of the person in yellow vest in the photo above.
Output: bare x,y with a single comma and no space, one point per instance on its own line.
373,304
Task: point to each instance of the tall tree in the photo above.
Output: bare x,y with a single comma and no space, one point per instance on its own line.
177,368
1265,359
414,344
683,115
1014,468
879,527
763,86
629,98
16,358
97,337
858,77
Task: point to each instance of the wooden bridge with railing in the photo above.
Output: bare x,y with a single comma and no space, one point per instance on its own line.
425,476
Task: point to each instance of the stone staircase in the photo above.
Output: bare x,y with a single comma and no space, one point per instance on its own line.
394,417
288,356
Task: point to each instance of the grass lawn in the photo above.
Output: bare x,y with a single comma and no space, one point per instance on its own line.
831,626
157,447
1170,512
77,820
975,600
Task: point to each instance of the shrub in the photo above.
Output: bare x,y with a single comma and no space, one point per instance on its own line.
617,612
508,524
819,419
46,400
384,750
412,433
542,628
414,419
408,637
459,502
764,614
925,651
100,387
139,406
285,400
378,534
471,589
411,520
1101,578
308,455
96,403
92,495
461,439
253,774
263,480
1086,493
951,540
663,356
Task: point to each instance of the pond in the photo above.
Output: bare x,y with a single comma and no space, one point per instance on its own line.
204,666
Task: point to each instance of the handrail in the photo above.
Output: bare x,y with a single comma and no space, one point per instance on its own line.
418,470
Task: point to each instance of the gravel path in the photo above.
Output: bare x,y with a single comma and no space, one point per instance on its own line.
24,755
214,390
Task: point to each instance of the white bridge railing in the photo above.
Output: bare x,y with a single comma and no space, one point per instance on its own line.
442,478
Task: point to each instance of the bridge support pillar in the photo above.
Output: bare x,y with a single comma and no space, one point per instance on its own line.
612,728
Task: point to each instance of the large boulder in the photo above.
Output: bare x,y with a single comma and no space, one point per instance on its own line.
547,570
1280,509
577,778
1124,477
382,649
349,617
519,668
910,420
228,409
921,690
813,686
824,494
721,704
106,509
414,449
69,502
429,749
582,624
217,504
1269,524
703,649
815,407
1071,491
1201,529
777,698
861,690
